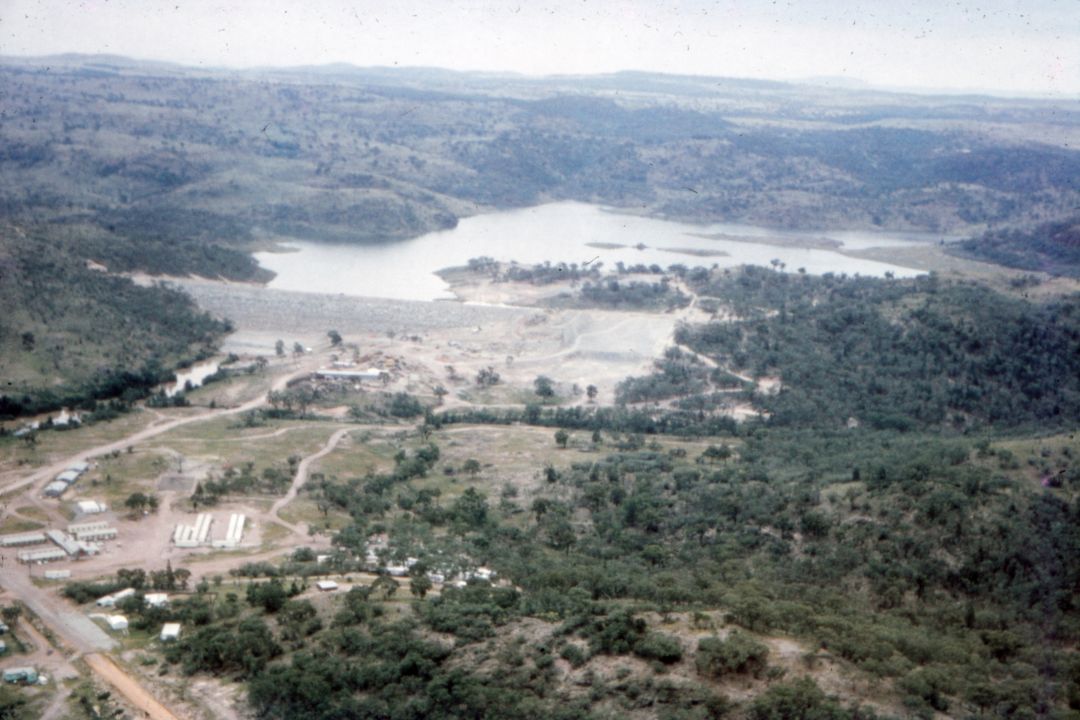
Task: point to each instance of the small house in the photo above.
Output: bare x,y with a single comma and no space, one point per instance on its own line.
21,675
111,600
169,632
326,585
89,507
157,599
55,489
116,622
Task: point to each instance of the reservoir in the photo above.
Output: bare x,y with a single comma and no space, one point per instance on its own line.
193,375
567,232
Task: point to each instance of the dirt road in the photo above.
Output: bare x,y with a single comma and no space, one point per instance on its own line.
72,627
132,691
302,470
47,473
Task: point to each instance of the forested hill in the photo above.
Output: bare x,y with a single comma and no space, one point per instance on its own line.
167,169
70,334
1049,247
900,354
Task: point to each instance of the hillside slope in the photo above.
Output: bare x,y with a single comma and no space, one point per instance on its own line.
70,334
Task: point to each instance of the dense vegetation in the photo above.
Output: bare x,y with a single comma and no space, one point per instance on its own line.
1051,247
893,354
71,336
936,565
932,546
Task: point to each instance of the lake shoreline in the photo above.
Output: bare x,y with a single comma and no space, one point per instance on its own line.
570,233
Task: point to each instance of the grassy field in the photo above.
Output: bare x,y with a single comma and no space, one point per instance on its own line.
54,445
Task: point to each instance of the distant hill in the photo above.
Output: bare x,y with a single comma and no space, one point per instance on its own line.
1051,247
168,169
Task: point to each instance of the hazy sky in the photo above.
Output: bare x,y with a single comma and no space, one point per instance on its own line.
1025,46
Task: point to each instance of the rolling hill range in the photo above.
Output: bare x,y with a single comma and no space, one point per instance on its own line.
149,167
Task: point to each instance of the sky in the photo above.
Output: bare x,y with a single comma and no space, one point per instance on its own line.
1020,47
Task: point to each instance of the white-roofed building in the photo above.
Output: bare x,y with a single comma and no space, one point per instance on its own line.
90,507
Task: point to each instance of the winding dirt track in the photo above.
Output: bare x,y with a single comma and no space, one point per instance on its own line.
50,471
302,473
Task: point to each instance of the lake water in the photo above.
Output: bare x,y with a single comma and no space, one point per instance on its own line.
560,232
195,375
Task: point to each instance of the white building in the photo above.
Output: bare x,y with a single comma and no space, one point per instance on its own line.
42,556
189,536
21,539
157,599
326,585
90,507
116,622
169,632
111,600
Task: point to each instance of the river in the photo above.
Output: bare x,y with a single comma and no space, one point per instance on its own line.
565,232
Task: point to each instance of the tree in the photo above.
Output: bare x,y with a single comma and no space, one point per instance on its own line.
11,614
561,437
544,387
419,585
270,596
591,392
560,533
335,338
387,584
487,377
471,509
136,501
736,654
713,453
297,349
279,348
471,466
